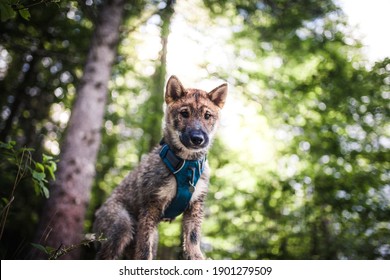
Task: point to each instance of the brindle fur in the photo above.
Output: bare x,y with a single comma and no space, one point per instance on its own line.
130,216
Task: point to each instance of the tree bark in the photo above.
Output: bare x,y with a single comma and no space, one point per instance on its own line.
62,220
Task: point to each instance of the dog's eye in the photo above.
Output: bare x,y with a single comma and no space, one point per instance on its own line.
185,114
207,115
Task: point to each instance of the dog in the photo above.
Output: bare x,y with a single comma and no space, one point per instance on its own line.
169,181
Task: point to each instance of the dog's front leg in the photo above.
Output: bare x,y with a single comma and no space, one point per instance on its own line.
192,221
146,233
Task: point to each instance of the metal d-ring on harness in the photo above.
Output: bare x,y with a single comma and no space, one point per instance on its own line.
187,174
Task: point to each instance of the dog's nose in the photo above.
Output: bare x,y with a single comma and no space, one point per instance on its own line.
197,137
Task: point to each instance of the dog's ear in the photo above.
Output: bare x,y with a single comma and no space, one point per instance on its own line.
174,90
218,95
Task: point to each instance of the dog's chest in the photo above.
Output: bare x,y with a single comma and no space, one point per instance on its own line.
167,192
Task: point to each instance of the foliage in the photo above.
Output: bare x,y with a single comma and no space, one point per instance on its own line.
328,197
37,83
54,254
10,8
22,160
17,165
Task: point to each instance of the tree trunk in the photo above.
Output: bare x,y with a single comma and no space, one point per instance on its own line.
156,100
62,220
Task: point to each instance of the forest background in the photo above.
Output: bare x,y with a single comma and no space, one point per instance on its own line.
301,162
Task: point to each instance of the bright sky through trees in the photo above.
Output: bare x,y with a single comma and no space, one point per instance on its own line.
371,19
195,52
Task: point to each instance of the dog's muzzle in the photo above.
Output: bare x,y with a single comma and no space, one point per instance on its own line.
194,139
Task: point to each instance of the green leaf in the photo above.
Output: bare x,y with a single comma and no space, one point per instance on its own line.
5,200
45,191
24,13
53,166
47,158
37,188
50,250
40,176
51,171
6,11
8,145
40,247
39,167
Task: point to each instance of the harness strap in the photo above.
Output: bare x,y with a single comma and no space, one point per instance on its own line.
187,174
173,162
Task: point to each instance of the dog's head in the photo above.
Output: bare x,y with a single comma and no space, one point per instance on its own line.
192,117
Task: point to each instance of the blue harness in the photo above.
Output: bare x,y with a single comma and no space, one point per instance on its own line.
187,174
